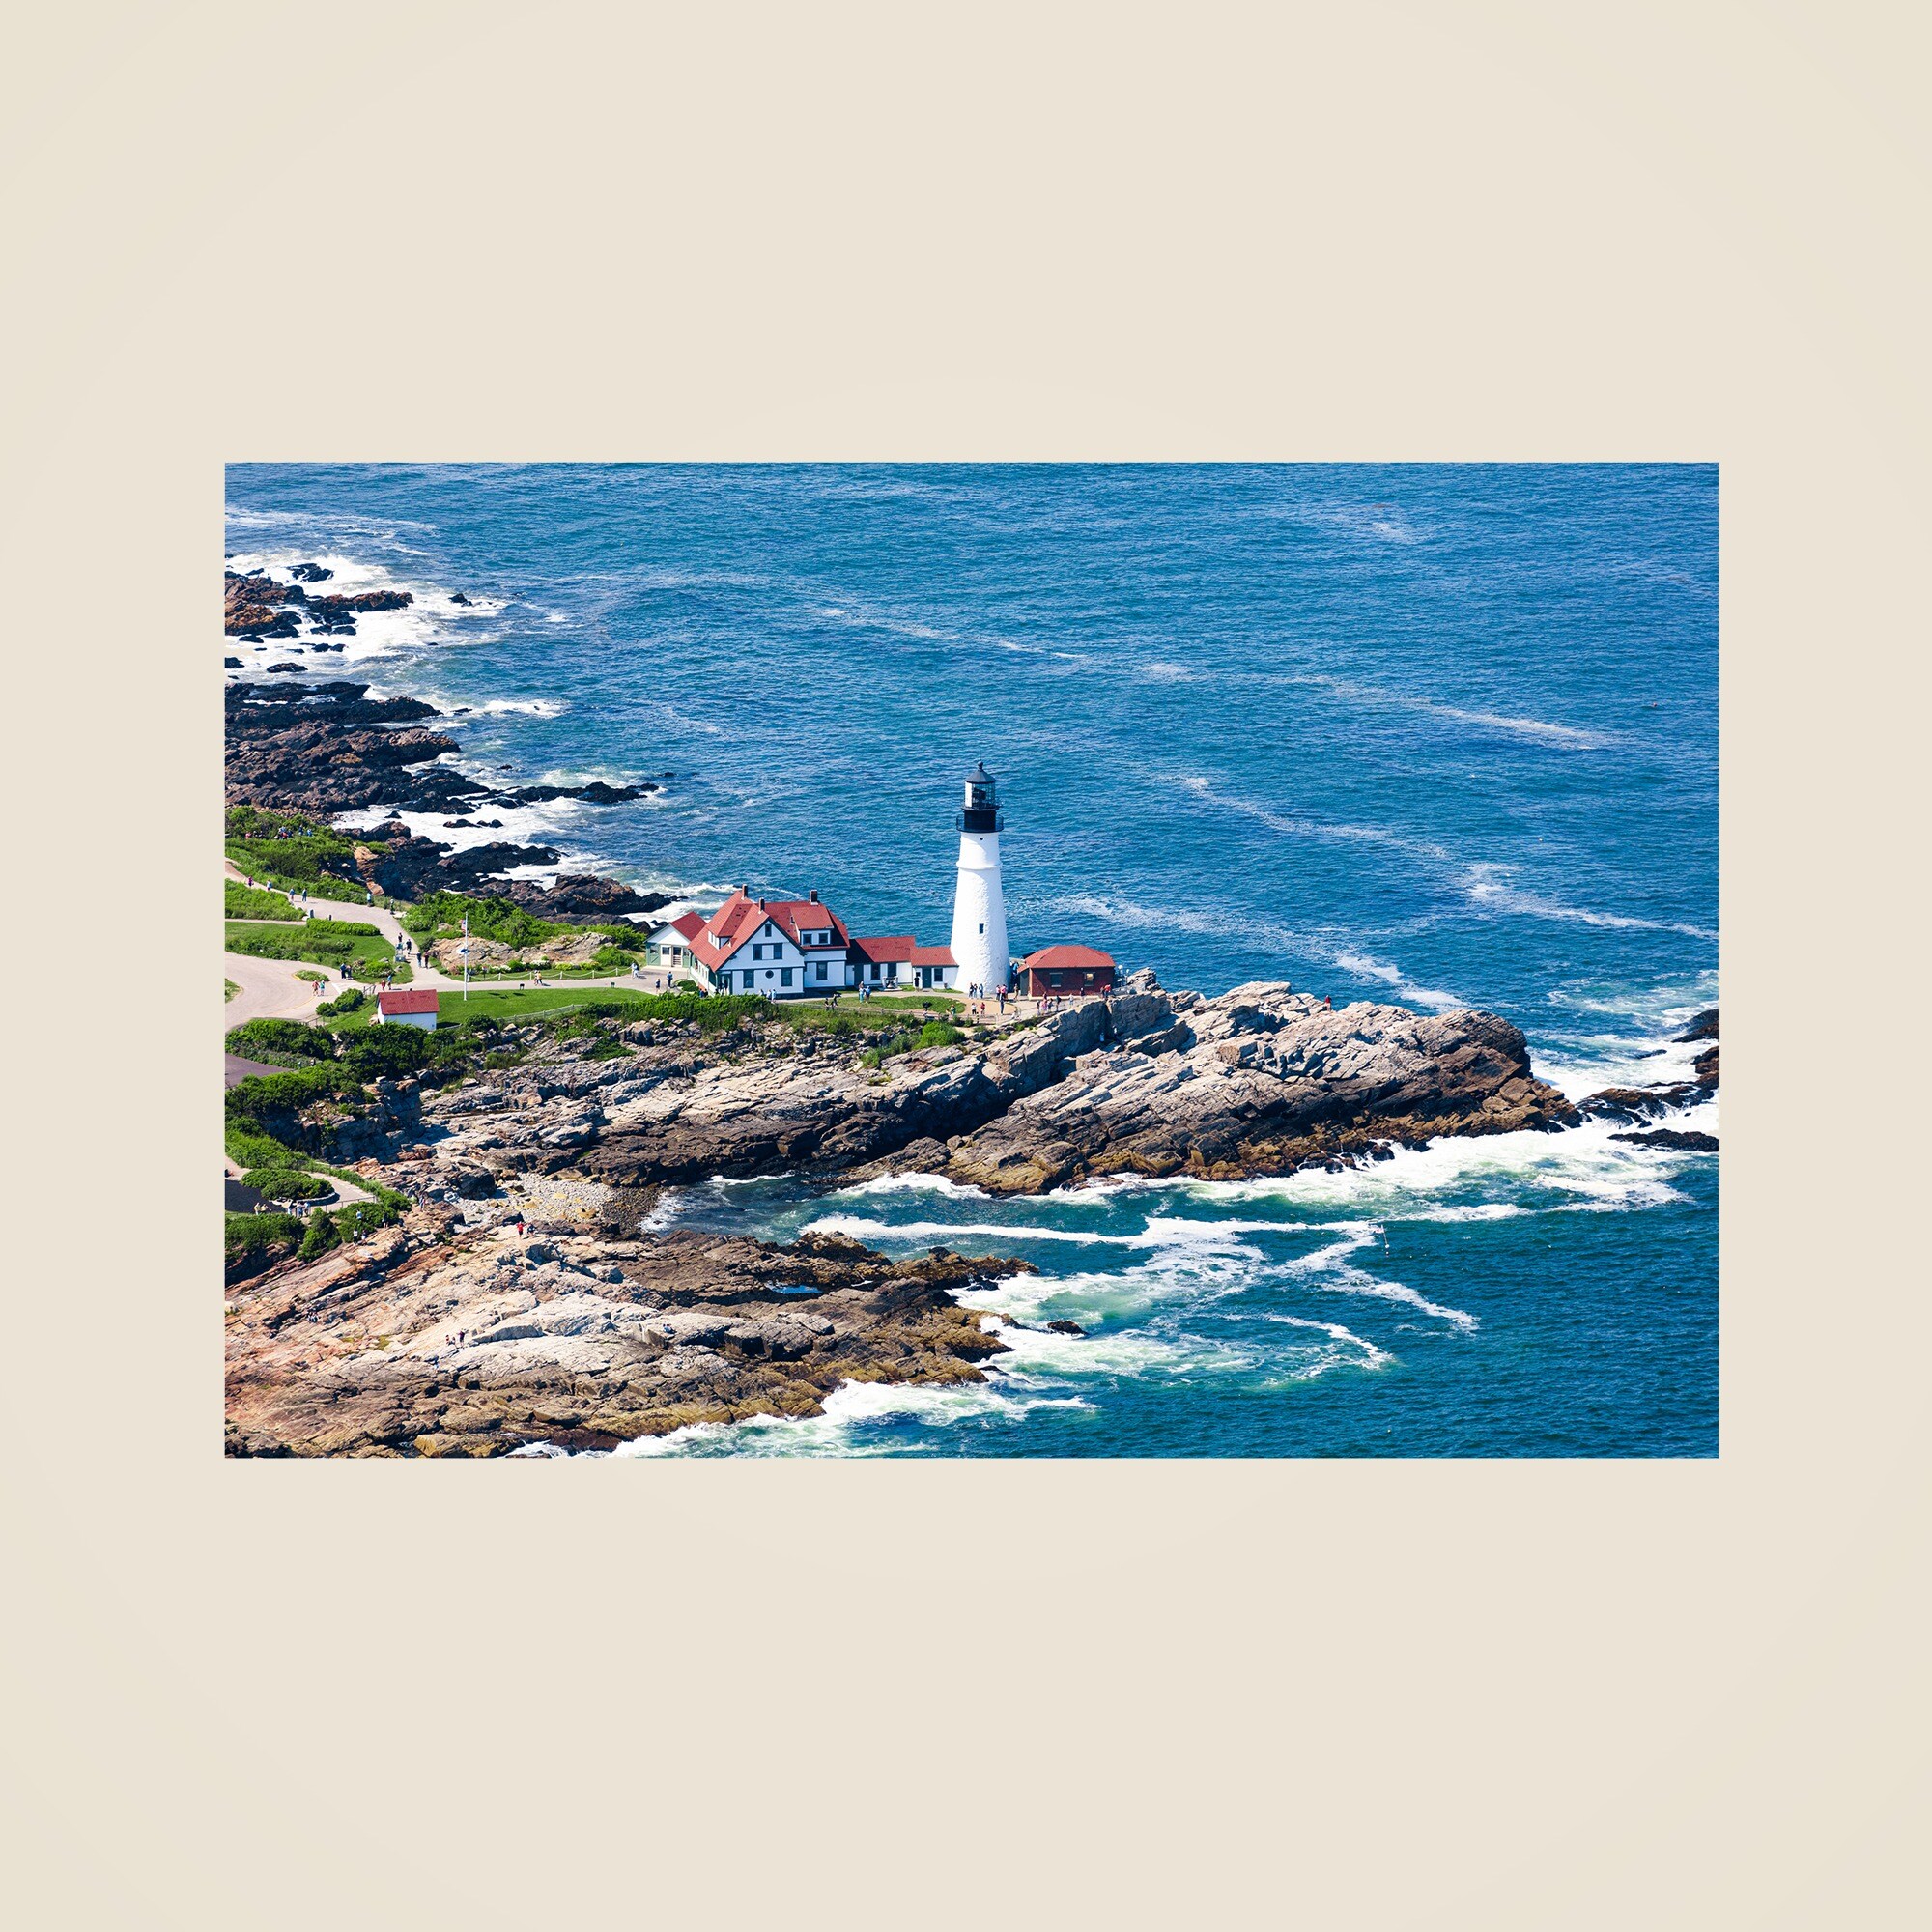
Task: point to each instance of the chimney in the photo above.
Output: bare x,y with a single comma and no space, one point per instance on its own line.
811,897
761,905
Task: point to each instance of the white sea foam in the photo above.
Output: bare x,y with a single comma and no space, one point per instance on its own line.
1370,1356
848,1425
1537,730
529,707
1579,1166
1329,1268
1488,885
1310,827
915,1184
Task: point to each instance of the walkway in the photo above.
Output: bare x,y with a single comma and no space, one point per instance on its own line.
278,994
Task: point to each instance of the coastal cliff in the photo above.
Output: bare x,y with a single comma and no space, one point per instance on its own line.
325,748
1261,1080
586,1329
577,1342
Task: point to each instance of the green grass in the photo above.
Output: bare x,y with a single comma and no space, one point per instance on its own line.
507,1007
252,1243
874,1015
233,988
934,1032
290,849
327,942
440,916
252,903
286,1184
279,1041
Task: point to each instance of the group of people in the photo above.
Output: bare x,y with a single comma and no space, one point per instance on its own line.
978,998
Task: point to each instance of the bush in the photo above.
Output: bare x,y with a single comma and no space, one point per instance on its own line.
253,1242
286,1184
343,1003
391,1051
241,901
936,1032
442,914
332,1228
257,1040
263,1094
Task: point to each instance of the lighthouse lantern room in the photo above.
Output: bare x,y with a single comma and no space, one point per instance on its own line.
978,903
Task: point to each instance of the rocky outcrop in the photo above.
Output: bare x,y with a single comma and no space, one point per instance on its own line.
1260,1081
432,1340
329,748
255,606
578,896
577,948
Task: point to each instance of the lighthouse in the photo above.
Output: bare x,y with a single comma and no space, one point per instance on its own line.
978,905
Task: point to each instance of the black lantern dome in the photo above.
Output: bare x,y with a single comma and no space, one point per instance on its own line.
983,805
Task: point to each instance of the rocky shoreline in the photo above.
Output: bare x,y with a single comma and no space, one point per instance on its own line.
450,1334
576,1341
329,748
588,1328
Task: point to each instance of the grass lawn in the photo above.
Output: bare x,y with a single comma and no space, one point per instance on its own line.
501,1004
883,1011
322,941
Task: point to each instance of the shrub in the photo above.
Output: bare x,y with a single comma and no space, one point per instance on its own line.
263,1094
320,1238
240,901
936,1032
440,914
329,1229
286,1184
374,1052
257,1040
253,1242
342,1004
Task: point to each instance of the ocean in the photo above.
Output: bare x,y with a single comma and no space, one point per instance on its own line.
1441,735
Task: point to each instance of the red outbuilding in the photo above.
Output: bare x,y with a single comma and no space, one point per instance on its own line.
1066,970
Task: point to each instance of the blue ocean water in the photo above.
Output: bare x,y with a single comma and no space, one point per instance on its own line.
1437,734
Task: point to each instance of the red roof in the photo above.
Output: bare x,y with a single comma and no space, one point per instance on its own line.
900,946
903,946
407,1000
688,924
740,917
1050,957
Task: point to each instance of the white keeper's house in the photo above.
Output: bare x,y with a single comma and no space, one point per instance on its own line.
669,945
801,949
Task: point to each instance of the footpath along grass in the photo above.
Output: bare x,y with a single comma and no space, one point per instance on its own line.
324,942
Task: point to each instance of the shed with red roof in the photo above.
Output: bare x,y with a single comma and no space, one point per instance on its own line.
1066,970
407,1005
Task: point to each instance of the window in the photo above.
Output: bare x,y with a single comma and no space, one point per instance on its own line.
784,976
821,969
983,928
1053,978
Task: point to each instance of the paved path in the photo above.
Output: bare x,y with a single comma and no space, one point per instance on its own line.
276,993
269,989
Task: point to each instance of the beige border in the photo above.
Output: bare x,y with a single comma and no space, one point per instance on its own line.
1428,1696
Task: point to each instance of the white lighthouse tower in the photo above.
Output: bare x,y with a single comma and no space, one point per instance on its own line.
978,905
